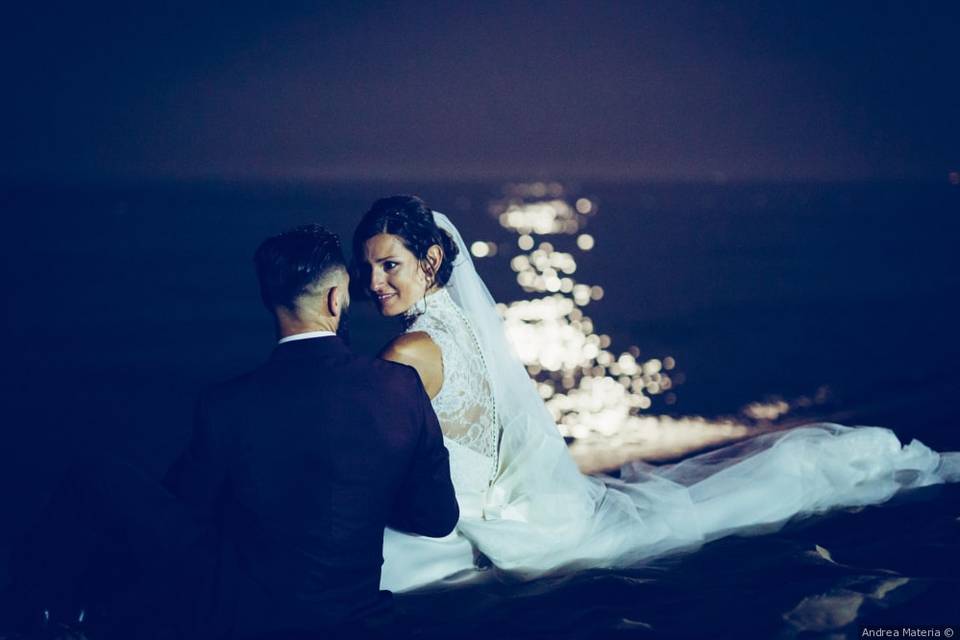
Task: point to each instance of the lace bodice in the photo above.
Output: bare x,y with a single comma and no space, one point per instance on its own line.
465,405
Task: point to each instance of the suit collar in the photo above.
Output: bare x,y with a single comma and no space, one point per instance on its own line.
328,347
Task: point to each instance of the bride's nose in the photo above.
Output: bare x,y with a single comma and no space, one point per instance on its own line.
376,280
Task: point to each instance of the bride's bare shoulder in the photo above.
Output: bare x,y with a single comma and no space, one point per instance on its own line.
419,351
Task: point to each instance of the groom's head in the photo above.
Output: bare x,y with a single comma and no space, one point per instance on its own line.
303,279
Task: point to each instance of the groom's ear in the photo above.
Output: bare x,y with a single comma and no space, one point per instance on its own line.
333,301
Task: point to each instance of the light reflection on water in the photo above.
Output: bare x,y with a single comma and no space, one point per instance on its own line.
601,397
598,394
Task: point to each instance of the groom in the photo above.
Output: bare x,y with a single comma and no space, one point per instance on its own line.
273,522
304,461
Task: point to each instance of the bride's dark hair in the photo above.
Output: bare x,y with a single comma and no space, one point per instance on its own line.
408,218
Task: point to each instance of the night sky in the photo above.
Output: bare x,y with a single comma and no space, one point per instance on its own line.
616,90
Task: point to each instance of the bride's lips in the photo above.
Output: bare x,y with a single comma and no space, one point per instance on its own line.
384,298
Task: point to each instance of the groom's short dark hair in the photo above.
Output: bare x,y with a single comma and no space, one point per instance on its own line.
290,263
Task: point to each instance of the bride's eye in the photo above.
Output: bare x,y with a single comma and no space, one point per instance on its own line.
389,265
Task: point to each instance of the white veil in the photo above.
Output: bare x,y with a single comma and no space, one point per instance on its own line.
541,513
527,425
537,487
514,394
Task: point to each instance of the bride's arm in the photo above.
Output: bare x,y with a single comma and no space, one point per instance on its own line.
417,350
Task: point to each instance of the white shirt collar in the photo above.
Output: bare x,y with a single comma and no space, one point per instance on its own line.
306,336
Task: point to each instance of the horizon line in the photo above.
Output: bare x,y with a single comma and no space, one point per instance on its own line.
322,177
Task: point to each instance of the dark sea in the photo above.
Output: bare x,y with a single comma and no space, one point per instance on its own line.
836,302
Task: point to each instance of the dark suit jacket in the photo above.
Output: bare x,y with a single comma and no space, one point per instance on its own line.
298,466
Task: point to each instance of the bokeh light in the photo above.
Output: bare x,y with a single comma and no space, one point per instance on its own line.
592,389
599,395
479,249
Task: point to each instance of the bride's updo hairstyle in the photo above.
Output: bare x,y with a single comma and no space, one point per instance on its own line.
408,218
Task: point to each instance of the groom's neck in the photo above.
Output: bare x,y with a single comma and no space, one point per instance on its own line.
290,324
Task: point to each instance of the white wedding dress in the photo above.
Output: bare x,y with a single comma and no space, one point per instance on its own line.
527,509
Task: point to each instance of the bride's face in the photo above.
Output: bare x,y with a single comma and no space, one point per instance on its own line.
397,279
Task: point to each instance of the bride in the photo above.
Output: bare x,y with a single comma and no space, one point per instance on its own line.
524,505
